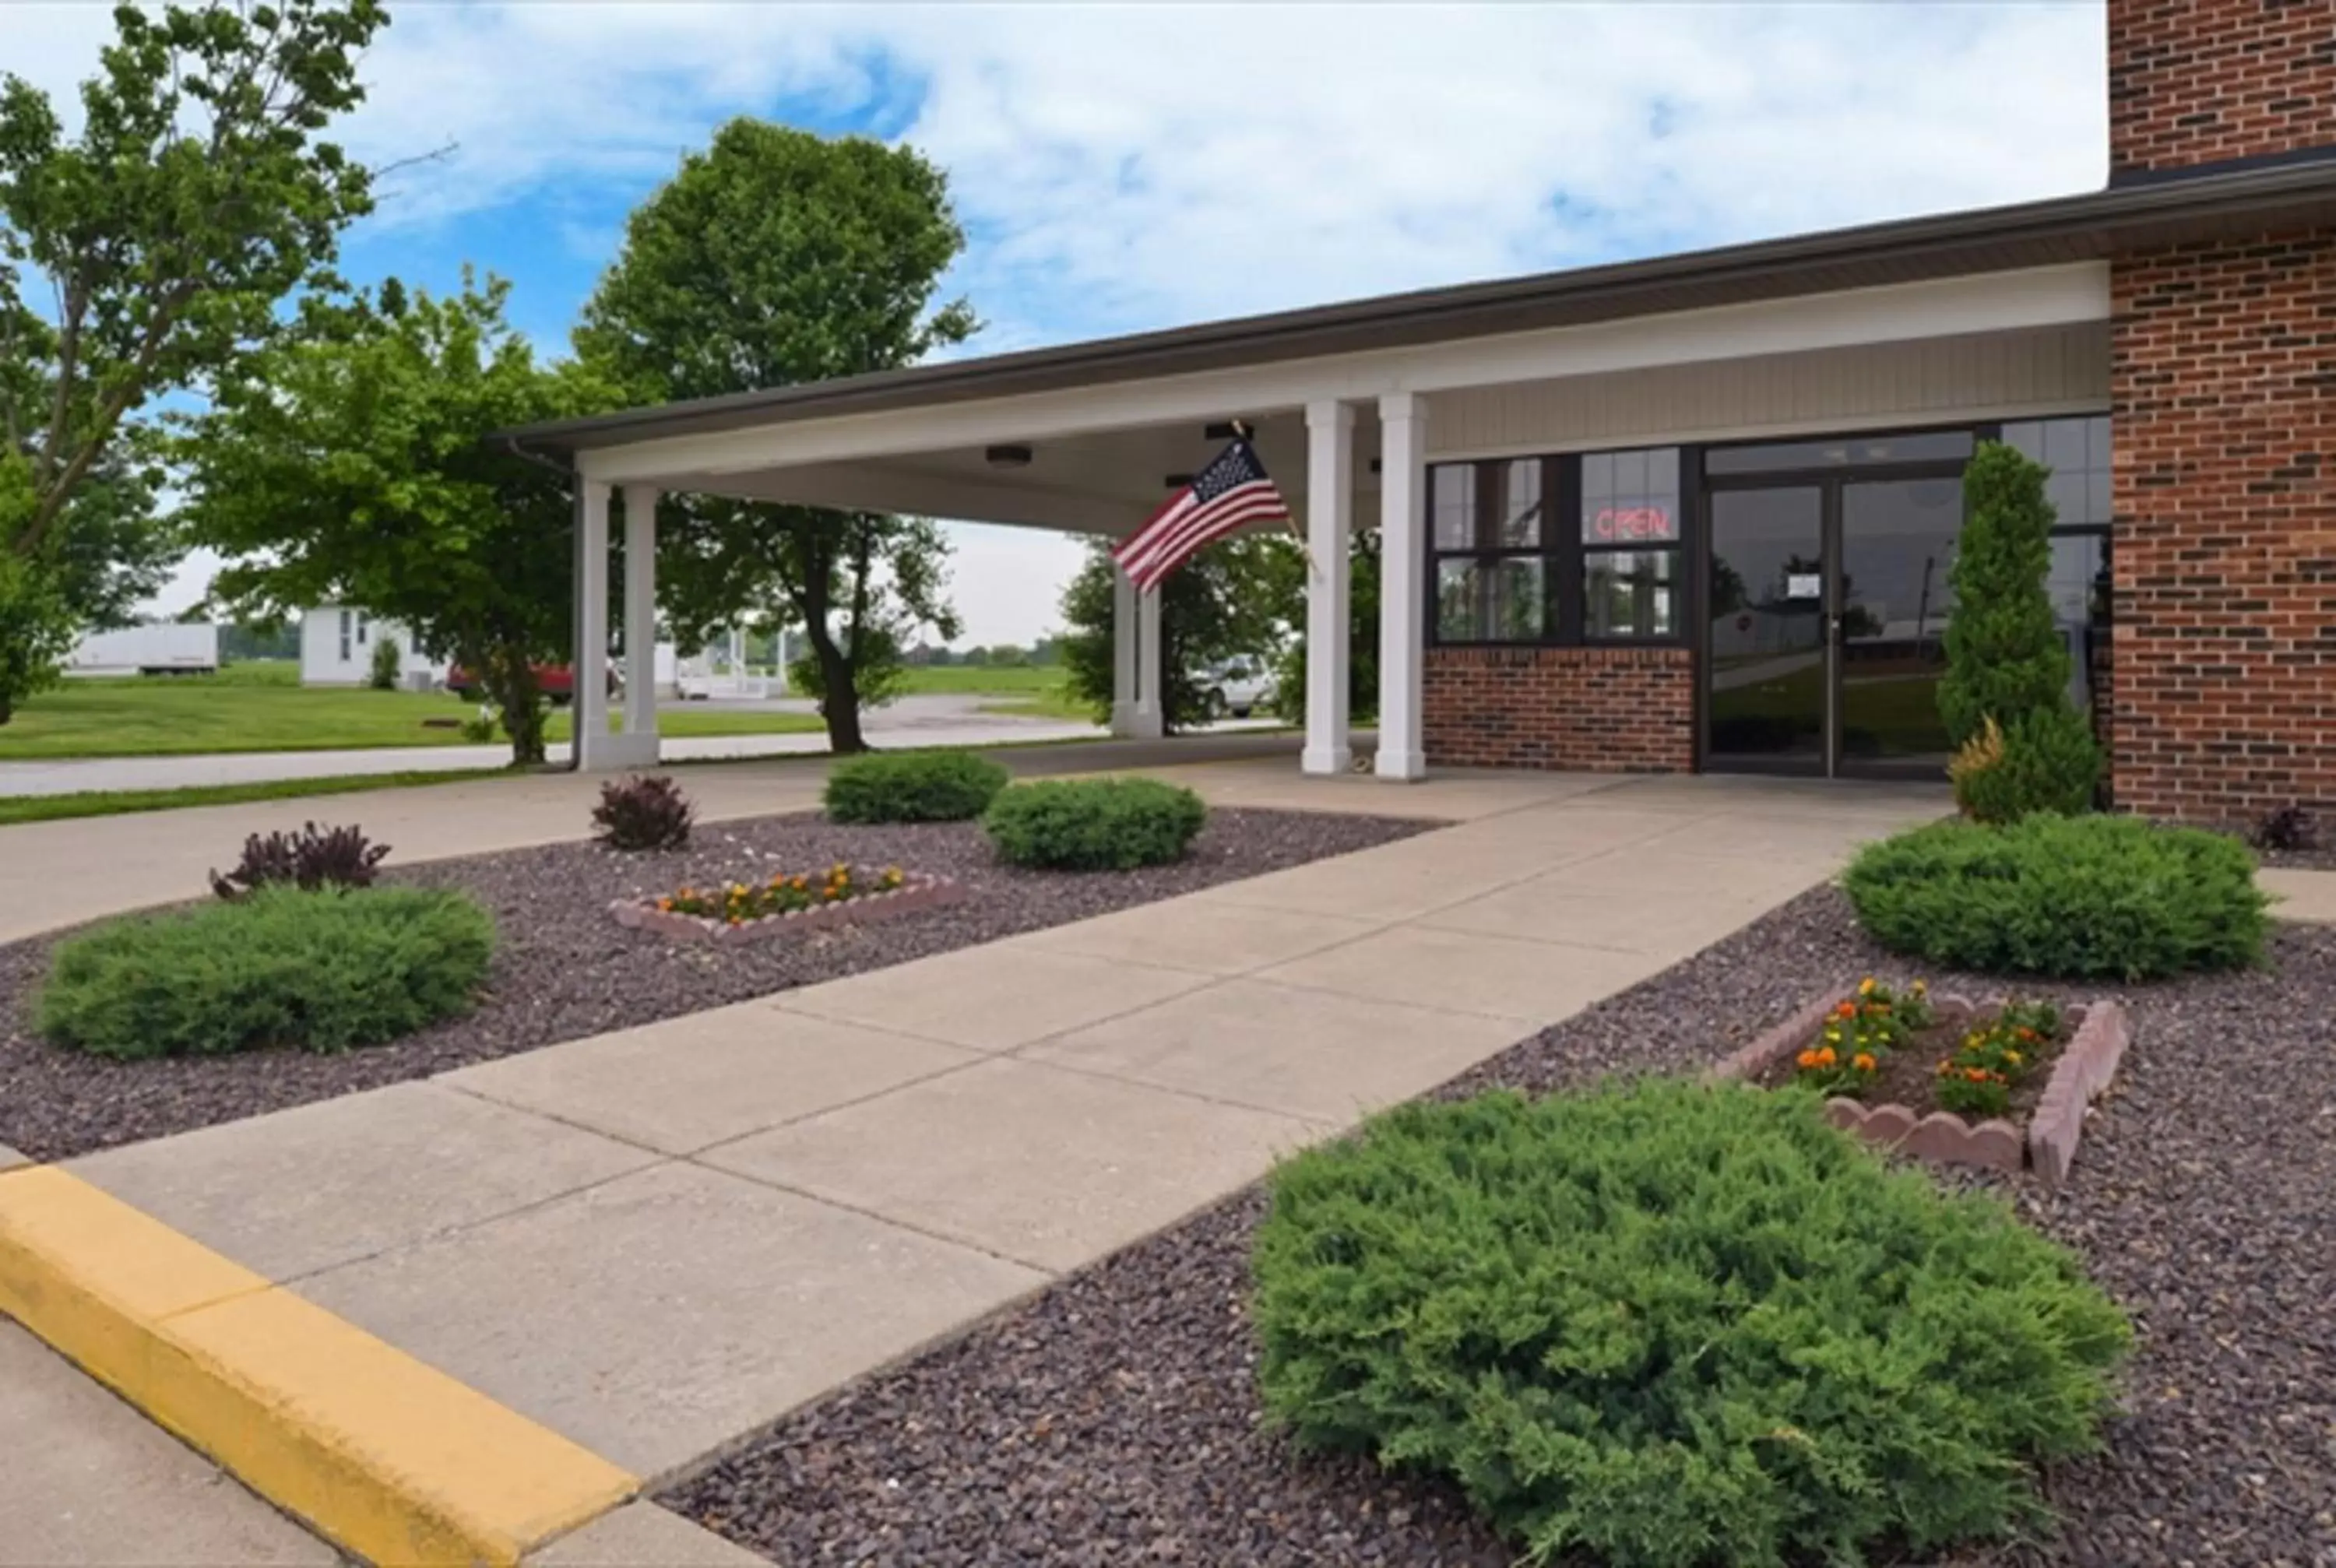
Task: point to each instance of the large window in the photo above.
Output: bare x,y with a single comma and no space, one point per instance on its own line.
2076,451
1561,550
1631,535
1492,550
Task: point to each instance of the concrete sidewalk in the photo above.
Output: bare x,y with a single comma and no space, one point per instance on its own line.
919,720
655,1240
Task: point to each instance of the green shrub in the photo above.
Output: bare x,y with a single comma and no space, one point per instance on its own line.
1095,824
2048,762
913,787
388,664
2071,897
322,969
1675,1326
2005,656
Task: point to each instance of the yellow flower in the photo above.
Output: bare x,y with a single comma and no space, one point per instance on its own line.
1865,987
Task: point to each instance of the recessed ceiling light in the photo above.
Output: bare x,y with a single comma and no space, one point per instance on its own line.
1007,456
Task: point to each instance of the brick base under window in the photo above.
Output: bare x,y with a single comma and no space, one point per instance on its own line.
1600,709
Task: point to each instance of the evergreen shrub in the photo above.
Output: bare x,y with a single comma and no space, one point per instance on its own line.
2074,897
1667,1325
913,787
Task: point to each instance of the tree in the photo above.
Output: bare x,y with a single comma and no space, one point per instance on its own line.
1235,598
2021,744
353,468
2005,656
194,198
1362,639
776,257
114,546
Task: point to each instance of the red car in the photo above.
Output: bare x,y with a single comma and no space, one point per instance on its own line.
556,681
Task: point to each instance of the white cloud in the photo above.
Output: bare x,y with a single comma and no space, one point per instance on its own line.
1125,166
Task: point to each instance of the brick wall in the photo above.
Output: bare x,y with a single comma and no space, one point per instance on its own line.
1603,709
2196,82
2224,669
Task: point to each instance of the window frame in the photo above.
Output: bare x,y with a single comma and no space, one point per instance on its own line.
1563,551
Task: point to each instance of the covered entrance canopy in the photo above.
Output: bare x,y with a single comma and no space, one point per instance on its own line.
1966,319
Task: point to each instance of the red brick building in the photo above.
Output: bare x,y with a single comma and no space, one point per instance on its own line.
1700,511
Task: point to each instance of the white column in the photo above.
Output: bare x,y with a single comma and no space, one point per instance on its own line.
1123,654
589,705
1329,525
639,745
1150,719
1403,589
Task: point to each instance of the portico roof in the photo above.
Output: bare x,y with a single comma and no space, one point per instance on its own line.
2221,202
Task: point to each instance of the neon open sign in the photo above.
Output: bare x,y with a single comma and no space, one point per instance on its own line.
1614,523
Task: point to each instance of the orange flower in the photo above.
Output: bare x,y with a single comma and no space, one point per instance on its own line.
1826,1057
1846,1010
1806,1059
1976,1075
1862,1061
665,903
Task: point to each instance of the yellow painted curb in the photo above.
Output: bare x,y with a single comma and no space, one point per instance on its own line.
389,1458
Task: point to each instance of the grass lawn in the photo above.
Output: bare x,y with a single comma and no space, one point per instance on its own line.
262,706
1052,702
116,802
1016,679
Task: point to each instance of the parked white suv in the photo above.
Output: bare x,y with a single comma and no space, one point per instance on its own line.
1239,687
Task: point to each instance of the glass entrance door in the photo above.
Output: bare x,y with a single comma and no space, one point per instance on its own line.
1896,554
1767,665
1828,604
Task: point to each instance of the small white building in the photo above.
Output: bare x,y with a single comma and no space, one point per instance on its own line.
337,644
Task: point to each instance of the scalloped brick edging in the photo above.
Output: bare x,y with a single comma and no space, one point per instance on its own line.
916,893
2048,1146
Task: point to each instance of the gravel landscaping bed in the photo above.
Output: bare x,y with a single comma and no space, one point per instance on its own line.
565,968
1112,1418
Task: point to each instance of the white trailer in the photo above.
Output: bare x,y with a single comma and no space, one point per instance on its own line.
166,647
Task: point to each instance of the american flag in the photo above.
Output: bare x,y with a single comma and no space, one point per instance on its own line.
1230,493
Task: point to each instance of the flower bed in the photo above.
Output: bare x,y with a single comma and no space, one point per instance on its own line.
2003,1083
784,905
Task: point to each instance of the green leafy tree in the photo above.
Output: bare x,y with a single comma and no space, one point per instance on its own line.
776,257
1362,639
195,197
2006,658
115,546
354,469
1236,599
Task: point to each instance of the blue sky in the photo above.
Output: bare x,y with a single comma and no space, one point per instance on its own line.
1124,167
